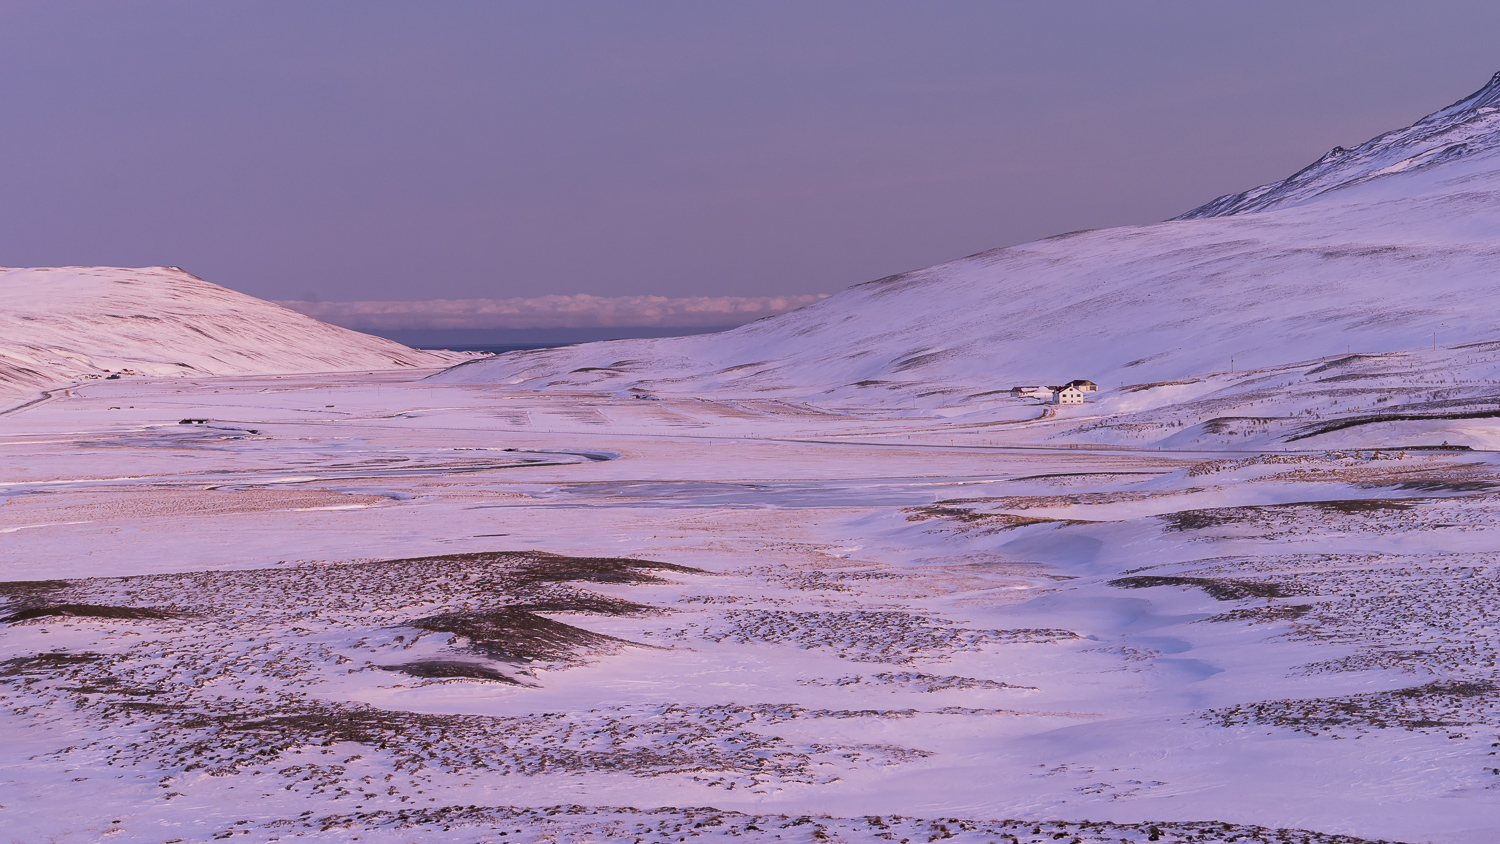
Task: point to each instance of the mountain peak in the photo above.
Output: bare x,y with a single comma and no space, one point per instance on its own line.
1486,97
1465,128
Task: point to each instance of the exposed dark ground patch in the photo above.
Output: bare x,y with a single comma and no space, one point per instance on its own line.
1218,589
529,580
1262,615
591,604
450,669
648,826
1238,424
1213,517
1028,502
1442,704
1367,469
889,636
513,634
918,681
1397,416
1370,517
716,744
87,611
537,567
1428,615
972,517
1446,485
31,591
43,664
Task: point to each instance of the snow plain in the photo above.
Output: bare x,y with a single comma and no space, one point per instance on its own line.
816,579
834,619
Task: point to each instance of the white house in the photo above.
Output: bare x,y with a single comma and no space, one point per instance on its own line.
1067,395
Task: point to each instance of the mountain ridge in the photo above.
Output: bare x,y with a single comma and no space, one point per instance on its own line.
1442,136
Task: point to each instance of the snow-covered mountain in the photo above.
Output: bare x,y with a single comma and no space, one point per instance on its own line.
62,323
1458,130
1394,244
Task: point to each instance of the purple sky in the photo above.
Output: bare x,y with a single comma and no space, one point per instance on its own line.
396,151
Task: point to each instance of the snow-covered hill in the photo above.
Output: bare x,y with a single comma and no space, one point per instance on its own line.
59,324
1392,245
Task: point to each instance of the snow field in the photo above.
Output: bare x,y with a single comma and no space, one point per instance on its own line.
755,614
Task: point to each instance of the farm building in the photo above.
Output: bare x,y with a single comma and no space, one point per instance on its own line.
1067,395
1072,392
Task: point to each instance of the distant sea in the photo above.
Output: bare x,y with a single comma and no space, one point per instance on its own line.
494,348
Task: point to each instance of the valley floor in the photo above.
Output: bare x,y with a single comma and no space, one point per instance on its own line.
381,609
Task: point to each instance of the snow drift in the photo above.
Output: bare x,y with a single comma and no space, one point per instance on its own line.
1394,244
59,324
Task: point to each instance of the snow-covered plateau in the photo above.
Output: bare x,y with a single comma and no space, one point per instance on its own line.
821,578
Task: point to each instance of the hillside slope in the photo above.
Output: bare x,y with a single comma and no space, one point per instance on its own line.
1387,253
59,324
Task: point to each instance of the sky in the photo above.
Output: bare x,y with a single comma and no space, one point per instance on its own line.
755,154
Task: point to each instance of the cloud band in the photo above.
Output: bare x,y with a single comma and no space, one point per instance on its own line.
573,311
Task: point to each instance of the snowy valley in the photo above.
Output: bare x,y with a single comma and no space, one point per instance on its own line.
822,578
